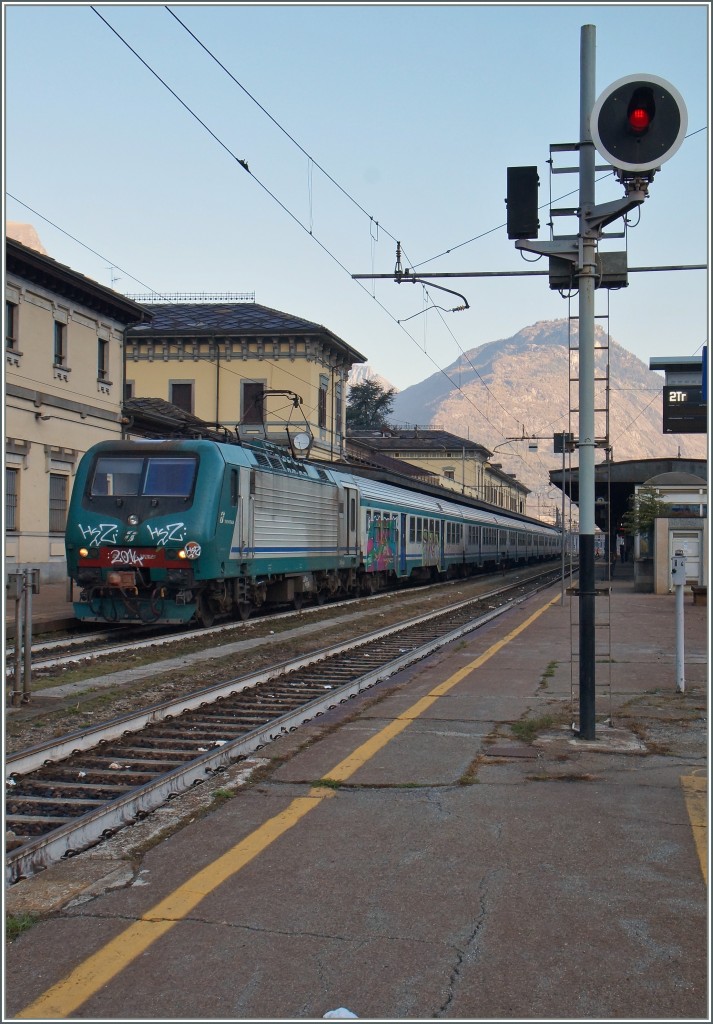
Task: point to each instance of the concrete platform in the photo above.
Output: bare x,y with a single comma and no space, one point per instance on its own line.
51,610
412,856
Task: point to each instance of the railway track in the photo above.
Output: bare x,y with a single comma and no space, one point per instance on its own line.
67,795
47,653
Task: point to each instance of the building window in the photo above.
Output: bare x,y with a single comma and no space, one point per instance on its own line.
128,390
339,411
449,474
10,324
60,344
58,502
102,359
180,393
322,403
11,480
253,403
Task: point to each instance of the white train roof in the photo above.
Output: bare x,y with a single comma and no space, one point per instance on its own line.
427,504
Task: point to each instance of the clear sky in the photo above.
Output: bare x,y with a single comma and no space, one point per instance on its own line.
413,111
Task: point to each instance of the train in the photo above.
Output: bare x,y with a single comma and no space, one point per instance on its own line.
178,530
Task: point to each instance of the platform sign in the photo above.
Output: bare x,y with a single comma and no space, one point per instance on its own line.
684,410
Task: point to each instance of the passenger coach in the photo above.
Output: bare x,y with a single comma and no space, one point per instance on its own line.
168,531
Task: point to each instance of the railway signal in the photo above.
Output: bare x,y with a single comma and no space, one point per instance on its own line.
522,201
638,122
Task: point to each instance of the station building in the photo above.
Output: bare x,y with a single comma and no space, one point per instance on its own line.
261,373
680,483
460,465
73,359
64,338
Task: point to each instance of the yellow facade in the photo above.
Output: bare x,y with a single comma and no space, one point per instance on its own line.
262,385
462,466
63,393
466,474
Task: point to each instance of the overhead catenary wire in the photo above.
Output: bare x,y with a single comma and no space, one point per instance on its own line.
277,124
83,244
244,164
543,206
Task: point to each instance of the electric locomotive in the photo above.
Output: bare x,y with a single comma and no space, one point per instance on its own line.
168,531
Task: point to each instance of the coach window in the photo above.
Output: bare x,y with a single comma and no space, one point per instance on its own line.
233,487
419,529
180,394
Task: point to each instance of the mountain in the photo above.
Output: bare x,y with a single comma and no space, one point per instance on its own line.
362,372
519,387
26,234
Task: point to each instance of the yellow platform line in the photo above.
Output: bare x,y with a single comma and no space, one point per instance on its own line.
695,793
101,967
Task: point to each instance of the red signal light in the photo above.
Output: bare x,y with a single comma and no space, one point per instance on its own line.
639,119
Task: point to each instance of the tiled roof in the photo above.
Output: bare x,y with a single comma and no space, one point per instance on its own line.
156,416
41,269
416,440
357,449
233,319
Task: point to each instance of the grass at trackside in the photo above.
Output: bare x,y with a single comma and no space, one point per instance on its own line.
16,924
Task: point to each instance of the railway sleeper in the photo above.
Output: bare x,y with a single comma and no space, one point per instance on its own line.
34,787
312,687
177,740
54,804
33,824
223,725
227,715
130,762
149,753
190,734
59,772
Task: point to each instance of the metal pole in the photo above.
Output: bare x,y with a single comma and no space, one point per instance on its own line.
27,675
17,677
563,530
587,272
680,659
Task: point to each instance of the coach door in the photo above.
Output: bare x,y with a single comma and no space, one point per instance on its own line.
351,509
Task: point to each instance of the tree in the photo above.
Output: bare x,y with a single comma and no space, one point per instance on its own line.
644,507
368,405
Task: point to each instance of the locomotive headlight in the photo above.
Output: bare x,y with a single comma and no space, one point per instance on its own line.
133,520
83,552
181,553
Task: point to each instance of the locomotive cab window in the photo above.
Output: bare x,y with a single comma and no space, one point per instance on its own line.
120,477
172,477
143,476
